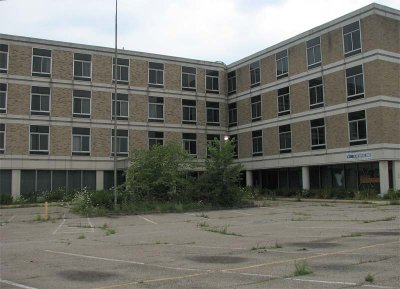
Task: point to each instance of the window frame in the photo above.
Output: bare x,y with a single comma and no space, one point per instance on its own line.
256,103
40,134
284,54
156,85
4,91
40,94
281,95
311,47
353,51
253,72
156,119
41,73
187,139
82,77
119,67
158,140
232,112
120,135
356,95
213,110
188,88
212,77
119,102
285,149
317,127
257,142
4,49
81,98
3,138
315,88
81,136
231,75
358,141
190,112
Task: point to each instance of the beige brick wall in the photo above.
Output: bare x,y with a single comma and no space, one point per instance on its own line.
242,79
201,145
334,88
20,58
383,125
297,59
102,68
60,140
172,76
382,78
301,136
244,111
139,73
61,102
101,105
222,83
379,32
337,131
17,139
201,80
223,114
172,110
332,46
138,106
271,141
62,64
245,145
18,99
100,142
137,140
201,112
172,137
269,105
299,99
268,70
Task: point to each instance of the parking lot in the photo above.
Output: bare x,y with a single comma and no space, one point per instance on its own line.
341,243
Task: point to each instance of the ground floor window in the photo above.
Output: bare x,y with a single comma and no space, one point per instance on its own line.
286,181
109,179
5,182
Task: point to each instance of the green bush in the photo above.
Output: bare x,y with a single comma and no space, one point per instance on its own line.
5,199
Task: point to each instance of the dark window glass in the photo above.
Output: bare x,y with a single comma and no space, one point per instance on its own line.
122,70
188,78
41,62
256,108
155,138
189,143
156,109
231,82
317,133
3,58
285,139
281,64
313,52
232,114
212,84
257,143
316,91
212,113
283,101
255,74
188,111
352,39
156,74
355,83
357,128
3,97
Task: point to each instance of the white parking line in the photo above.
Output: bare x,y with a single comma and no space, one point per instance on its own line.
90,224
16,284
150,221
59,226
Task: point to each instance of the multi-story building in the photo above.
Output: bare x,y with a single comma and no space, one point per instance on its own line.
319,110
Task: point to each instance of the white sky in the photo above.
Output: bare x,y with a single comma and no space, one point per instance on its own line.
214,30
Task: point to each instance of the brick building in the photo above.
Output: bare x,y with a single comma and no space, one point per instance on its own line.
319,110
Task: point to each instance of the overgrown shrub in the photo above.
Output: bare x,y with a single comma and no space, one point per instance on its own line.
5,199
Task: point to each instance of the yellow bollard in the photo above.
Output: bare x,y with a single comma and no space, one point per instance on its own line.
46,211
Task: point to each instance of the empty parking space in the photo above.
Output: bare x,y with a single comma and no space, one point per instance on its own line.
341,243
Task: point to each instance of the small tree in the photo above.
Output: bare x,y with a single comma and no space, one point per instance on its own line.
159,173
220,182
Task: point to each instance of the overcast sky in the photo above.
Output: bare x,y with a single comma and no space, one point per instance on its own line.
214,30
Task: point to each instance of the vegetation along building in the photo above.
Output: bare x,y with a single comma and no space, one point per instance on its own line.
319,110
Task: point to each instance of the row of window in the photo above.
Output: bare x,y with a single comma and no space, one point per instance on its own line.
351,45
354,87
39,138
82,70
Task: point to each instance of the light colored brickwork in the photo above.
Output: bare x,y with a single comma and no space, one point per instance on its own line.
337,131
299,99
244,111
139,73
383,125
61,102
379,32
332,46
245,145
201,145
100,142
172,76
334,88
138,106
173,137
242,79
173,110
20,58
101,68
271,141
222,83
301,136
62,64
18,99
382,78
101,105
269,105
201,80
60,140
268,70
137,140
17,139
297,59
201,112
223,118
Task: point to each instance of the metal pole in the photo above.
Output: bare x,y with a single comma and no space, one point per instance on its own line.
115,107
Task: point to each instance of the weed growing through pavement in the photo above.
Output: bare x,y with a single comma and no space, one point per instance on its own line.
369,278
107,229
381,220
202,215
221,230
258,247
302,268
81,236
277,245
352,235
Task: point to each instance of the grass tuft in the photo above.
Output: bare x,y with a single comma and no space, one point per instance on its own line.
81,236
302,268
369,278
221,230
277,245
352,235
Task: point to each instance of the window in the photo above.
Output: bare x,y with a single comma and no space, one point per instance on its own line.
39,139
212,113
285,139
357,128
256,108
155,138
314,52
231,82
3,58
232,114
212,83
281,64
234,140
82,66
122,70
283,101
188,78
120,106
352,39
156,74
188,111
122,142
81,103
255,74
156,109
80,141
40,100
41,62
189,143
210,139
317,134
355,82
2,137
257,143
316,91
3,97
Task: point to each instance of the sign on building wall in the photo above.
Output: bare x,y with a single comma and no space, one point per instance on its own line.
358,156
